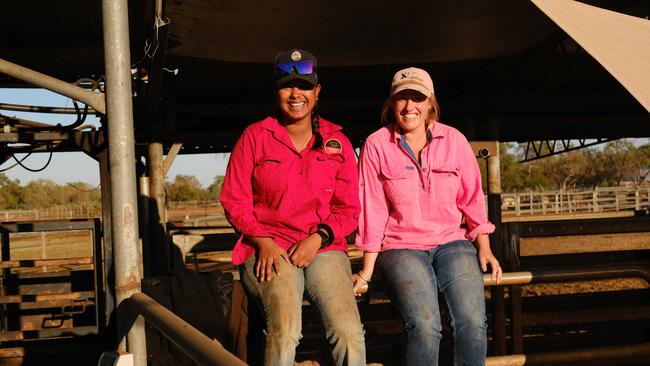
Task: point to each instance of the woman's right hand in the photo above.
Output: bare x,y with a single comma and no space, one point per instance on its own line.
268,258
360,284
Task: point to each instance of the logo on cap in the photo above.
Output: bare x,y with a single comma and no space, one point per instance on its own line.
296,56
333,146
411,75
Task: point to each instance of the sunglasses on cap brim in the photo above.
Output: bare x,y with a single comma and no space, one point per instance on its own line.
305,67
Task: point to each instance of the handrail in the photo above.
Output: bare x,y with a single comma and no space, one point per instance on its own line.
577,274
193,343
641,270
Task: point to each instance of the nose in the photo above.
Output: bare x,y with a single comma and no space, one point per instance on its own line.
409,103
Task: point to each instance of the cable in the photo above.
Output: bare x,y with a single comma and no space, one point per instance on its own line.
49,159
84,190
24,157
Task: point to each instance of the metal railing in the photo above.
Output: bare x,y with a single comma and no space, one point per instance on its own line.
574,201
196,345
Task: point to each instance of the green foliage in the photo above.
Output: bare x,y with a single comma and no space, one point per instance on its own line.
618,162
11,193
214,190
185,188
44,193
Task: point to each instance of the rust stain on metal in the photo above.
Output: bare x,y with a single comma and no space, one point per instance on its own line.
130,285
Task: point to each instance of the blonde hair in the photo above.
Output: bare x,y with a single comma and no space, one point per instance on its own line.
388,113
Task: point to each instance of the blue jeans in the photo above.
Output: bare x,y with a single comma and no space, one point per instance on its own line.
413,279
327,282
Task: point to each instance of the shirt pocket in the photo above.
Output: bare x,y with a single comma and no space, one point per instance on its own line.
399,185
325,172
269,175
445,184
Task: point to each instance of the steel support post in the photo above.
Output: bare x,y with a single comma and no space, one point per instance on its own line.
122,167
109,269
158,236
494,215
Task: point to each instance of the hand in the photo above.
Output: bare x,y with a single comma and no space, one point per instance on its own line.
360,284
486,257
302,253
268,258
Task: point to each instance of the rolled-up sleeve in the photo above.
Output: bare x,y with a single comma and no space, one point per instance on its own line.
344,204
374,207
237,191
470,199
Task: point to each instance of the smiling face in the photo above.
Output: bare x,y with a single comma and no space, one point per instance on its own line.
412,110
297,101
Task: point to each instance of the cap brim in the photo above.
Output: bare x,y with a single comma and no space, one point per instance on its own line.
412,86
311,79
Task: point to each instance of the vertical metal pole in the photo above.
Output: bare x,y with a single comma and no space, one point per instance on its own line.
122,167
494,215
109,269
145,219
159,228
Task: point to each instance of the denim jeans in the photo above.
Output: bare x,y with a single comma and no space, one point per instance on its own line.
327,282
413,279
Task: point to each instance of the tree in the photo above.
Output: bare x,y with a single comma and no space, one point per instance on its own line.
185,188
214,189
11,193
618,159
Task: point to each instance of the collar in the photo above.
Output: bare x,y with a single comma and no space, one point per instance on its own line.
435,131
326,127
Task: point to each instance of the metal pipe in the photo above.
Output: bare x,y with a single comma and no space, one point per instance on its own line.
510,360
159,212
95,100
497,244
195,344
40,109
611,355
122,167
579,274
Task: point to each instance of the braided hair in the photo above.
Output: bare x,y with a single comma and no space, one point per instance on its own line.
315,130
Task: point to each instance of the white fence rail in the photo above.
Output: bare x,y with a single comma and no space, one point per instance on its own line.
564,202
512,204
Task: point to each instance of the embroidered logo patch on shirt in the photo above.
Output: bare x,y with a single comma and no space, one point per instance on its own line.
333,146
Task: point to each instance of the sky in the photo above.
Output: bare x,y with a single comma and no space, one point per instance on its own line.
75,167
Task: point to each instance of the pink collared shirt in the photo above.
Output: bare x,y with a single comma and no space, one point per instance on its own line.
271,190
407,205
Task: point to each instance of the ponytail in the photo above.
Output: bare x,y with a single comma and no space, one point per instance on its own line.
315,130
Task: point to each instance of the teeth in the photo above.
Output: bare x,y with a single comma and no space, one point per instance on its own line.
410,115
296,105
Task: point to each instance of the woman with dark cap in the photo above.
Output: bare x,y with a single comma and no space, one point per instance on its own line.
419,179
291,190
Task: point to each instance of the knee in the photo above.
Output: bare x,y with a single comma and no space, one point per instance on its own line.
348,332
284,328
426,324
471,320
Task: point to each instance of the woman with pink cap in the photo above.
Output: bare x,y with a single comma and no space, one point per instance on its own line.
419,180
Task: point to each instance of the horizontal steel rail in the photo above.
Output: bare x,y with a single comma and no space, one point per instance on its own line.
195,344
637,270
624,353
95,100
573,274
40,109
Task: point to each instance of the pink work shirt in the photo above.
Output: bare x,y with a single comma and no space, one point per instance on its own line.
271,190
405,205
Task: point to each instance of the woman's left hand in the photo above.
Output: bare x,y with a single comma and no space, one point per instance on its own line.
486,257
302,253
